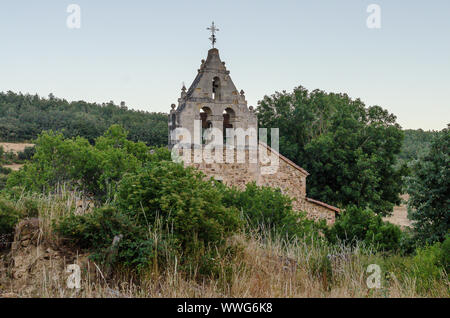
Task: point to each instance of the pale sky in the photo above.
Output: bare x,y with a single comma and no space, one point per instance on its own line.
141,52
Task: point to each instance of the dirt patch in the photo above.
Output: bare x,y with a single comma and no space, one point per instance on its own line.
15,147
400,214
14,166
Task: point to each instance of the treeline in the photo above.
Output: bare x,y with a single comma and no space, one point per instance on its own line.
23,117
416,144
355,154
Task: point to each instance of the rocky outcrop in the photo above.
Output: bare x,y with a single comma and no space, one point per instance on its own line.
33,267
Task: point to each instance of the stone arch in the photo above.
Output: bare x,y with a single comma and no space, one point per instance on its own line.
206,118
229,119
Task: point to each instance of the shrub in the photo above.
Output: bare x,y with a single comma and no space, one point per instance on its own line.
161,210
446,254
3,180
266,208
75,162
428,266
357,224
30,208
27,153
9,216
5,171
97,230
188,204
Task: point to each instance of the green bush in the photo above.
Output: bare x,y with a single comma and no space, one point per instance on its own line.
428,187
364,225
27,153
3,180
446,254
429,265
9,216
180,196
78,164
5,171
30,209
161,210
96,231
266,208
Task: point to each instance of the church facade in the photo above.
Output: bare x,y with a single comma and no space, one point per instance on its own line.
213,102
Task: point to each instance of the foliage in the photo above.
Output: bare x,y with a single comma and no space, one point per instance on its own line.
349,149
162,205
267,209
356,224
23,117
189,205
9,216
93,168
429,190
27,153
97,230
416,144
429,263
446,253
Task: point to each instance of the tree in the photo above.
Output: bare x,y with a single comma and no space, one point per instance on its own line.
359,225
75,162
429,190
349,149
24,117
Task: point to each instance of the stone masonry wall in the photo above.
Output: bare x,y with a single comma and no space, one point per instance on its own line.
289,178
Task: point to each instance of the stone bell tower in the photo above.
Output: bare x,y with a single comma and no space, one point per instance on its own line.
212,99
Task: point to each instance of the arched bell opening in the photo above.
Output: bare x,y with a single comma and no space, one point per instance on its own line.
216,89
205,116
229,118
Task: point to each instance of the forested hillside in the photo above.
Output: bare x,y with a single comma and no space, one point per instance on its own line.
23,117
416,143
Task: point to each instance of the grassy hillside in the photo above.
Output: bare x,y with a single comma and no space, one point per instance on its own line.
260,266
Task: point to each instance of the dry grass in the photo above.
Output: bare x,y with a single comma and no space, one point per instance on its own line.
262,267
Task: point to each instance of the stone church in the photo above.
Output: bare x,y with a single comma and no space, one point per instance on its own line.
213,101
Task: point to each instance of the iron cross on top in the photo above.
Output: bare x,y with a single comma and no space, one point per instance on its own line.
213,30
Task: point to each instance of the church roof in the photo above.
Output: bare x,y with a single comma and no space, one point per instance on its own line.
306,173
333,208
